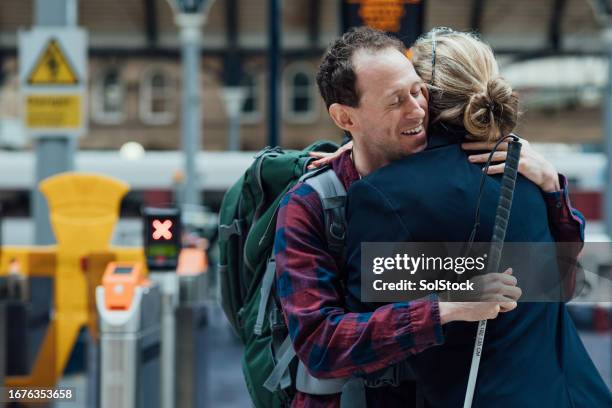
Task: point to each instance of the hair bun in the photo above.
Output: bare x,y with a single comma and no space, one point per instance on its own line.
493,112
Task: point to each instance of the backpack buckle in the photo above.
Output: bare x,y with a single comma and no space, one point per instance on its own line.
235,228
277,322
337,231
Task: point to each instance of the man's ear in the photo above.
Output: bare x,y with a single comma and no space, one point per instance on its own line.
342,117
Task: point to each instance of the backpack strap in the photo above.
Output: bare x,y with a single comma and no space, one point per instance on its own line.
354,394
333,199
265,290
305,382
279,376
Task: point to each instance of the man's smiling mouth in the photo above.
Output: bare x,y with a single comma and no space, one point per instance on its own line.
413,131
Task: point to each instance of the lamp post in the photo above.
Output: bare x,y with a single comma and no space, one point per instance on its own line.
54,154
274,60
190,16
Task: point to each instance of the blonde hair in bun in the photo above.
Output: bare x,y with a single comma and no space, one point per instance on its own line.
464,84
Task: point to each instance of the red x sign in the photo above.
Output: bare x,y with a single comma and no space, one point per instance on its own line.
162,229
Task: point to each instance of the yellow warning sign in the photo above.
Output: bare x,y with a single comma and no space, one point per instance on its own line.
53,111
53,67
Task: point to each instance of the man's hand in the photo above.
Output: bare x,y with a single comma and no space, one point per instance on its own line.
531,164
498,293
326,158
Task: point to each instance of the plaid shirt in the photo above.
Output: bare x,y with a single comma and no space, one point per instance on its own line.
332,342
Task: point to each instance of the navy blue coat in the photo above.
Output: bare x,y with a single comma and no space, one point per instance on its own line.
532,356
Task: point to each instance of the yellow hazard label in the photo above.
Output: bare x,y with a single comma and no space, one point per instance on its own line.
53,111
53,67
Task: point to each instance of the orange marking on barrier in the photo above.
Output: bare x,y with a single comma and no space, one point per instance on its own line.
120,280
192,261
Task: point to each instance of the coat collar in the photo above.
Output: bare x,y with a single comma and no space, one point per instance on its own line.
440,135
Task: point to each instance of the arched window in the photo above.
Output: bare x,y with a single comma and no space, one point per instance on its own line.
251,109
108,97
300,89
157,97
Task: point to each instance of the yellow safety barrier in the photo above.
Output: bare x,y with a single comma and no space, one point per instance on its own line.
83,209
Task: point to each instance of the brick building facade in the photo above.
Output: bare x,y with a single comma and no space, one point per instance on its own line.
135,75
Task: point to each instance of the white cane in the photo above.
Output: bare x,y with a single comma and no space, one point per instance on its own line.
497,242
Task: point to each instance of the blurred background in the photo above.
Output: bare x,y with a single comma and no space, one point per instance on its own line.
553,51
174,97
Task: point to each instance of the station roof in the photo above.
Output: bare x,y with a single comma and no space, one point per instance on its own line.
524,27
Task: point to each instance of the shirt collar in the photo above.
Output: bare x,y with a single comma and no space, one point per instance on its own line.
345,169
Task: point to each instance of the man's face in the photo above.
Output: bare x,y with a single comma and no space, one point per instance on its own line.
391,119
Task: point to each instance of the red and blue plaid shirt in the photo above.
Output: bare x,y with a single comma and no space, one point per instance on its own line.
329,340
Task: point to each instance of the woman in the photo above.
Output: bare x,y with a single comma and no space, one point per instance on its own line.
532,356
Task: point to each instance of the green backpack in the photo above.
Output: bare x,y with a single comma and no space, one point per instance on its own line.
247,224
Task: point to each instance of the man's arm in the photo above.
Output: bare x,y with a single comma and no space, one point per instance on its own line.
567,226
566,223
327,339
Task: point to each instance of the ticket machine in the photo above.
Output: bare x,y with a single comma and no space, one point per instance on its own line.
129,308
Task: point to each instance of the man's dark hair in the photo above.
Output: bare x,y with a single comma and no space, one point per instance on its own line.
336,77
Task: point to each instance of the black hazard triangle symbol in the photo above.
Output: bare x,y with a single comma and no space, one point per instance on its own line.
53,67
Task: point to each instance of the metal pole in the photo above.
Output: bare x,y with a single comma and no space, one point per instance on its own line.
168,285
191,125
234,133
233,96
53,154
608,129
274,34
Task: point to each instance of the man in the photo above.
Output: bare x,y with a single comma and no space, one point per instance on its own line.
372,91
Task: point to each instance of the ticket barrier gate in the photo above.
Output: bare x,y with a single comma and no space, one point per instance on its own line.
129,308
27,306
180,275
17,313
83,210
191,325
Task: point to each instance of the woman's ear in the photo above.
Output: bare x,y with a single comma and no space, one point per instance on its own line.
341,115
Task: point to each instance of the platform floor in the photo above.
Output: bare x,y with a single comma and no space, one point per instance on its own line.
228,390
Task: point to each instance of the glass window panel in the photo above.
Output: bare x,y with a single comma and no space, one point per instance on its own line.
112,93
